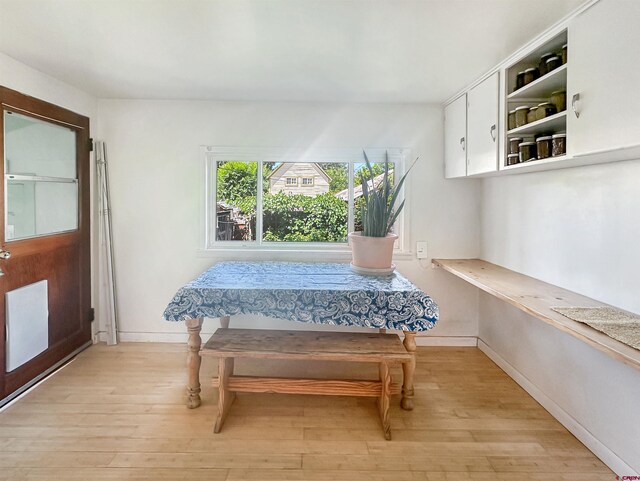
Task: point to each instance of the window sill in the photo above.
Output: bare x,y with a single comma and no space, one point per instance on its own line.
286,254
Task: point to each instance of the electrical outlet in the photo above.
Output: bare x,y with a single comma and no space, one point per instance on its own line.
421,250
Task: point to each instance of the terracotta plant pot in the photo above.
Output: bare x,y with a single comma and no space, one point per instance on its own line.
372,252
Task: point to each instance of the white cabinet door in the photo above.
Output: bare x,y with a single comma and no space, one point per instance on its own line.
603,69
482,126
455,138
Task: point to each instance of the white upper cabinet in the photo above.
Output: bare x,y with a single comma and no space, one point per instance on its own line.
482,126
604,54
455,138
588,87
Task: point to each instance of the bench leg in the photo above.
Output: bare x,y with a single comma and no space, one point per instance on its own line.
383,401
408,369
225,397
193,362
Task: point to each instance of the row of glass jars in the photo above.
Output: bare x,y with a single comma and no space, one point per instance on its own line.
548,62
526,114
544,146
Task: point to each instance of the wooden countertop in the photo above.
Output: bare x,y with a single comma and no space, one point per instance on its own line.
536,298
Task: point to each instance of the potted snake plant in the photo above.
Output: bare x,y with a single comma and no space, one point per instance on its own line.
372,248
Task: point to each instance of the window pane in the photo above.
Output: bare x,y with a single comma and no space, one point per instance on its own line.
361,171
38,148
311,209
236,190
37,208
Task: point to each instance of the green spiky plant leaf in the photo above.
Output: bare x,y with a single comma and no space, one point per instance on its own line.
378,210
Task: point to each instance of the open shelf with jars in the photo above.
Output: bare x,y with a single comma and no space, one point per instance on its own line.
536,105
554,123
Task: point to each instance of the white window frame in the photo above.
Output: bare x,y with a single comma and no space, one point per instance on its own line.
287,183
212,154
305,184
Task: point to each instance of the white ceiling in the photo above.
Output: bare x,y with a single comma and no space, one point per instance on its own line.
301,50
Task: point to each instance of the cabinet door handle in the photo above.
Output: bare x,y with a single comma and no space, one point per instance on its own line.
462,143
492,131
574,100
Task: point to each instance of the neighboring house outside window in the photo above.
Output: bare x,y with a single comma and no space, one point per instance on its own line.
310,173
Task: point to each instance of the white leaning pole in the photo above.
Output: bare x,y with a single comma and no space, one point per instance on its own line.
106,274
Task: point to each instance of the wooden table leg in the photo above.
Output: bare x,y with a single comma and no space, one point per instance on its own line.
225,397
408,369
224,322
383,401
193,362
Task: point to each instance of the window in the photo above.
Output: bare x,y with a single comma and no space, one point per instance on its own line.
262,197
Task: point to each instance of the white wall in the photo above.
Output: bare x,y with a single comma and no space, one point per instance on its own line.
156,180
577,228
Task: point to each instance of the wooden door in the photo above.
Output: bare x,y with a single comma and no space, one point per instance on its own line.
482,126
603,71
455,138
44,233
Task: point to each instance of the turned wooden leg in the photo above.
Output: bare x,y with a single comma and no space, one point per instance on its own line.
382,330
224,322
383,401
408,369
193,362
225,397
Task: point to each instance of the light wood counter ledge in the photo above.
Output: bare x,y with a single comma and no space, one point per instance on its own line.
536,298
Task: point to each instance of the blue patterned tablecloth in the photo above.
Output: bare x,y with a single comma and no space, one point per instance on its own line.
305,292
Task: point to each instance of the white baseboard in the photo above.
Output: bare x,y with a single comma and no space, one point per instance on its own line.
444,341
174,337
607,456
179,337
99,336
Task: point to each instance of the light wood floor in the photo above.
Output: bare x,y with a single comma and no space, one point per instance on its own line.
118,413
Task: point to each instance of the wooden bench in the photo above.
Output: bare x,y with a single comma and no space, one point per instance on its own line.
229,344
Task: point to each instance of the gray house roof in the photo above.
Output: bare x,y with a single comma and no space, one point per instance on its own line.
357,190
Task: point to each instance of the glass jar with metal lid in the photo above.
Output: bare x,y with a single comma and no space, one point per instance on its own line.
531,115
530,75
543,147
519,80
545,109
559,144
521,115
564,54
559,99
542,67
553,63
527,151
514,142
513,159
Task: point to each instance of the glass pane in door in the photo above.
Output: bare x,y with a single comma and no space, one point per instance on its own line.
37,147
37,208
